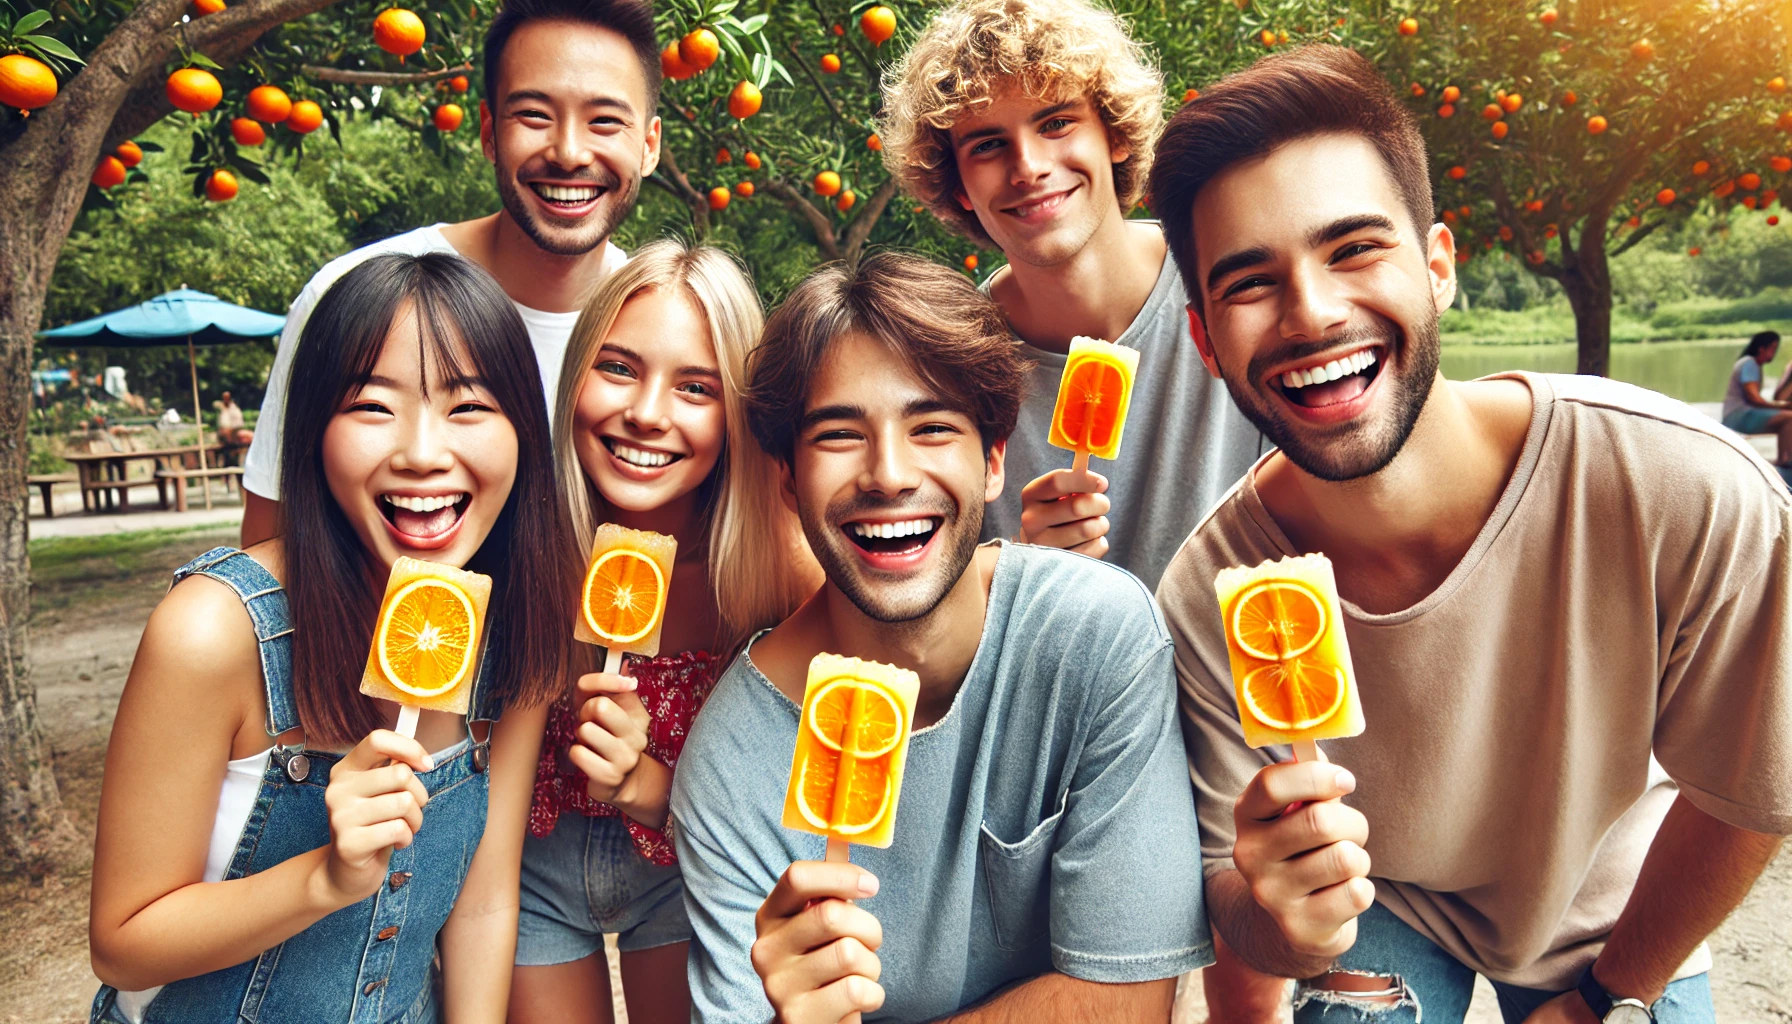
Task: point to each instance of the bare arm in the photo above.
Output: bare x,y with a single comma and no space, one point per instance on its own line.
479,940
1698,869
1059,997
1253,934
261,518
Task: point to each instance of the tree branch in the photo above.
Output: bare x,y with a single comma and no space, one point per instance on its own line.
860,228
818,222
382,78
796,57
669,177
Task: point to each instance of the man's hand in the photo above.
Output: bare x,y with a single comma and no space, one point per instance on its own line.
1061,510
816,953
1307,868
1567,1008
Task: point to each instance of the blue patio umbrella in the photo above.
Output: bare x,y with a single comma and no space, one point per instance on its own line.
170,318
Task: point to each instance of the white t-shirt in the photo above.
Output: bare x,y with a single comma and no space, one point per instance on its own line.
548,334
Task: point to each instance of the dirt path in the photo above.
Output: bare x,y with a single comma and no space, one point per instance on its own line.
90,600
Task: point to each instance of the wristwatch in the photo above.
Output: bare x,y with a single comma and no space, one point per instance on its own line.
1608,1009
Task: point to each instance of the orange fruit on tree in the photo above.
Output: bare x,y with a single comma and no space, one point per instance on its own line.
1447,110
1505,233
398,31
718,197
874,143
744,189
1449,216
1549,231
305,118
844,203
129,153
1464,211
839,29
425,639
1458,172
1409,26
1633,222
625,591
247,131
269,103
1773,222
1569,99
878,23
1535,256
1416,89
25,82
1785,121
673,66
830,63
448,117
1700,168
205,7
221,186
1780,164
751,159
827,183
1749,201
458,83
1665,197
1190,94
110,172
1776,84
1512,102
1534,206
1493,111
1281,37
1268,37
1724,189
194,90
1548,17
970,262
1451,94
1500,128
744,101
1596,125
1694,251
1749,181
723,156
699,48
1642,49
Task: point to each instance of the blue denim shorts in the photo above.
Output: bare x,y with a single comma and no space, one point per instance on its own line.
1429,984
585,880
1750,419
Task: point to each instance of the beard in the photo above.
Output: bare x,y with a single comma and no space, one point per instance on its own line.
613,207
885,597
1358,449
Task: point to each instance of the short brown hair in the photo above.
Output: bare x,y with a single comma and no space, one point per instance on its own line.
951,335
1310,91
1054,48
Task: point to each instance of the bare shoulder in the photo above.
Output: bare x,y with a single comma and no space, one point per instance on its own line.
1502,404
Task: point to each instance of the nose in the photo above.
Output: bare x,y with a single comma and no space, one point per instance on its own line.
568,150
650,411
1028,162
1313,305
892,470
424,448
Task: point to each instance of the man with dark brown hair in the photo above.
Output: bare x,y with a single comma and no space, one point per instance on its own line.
1024,880
1569,603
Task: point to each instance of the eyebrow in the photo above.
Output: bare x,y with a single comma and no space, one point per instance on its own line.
692,370
1232,263
537,96
847,411
993,130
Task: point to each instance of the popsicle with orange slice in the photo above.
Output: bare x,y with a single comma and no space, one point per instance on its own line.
426,643
1289,655
622,606
1093,396
851,745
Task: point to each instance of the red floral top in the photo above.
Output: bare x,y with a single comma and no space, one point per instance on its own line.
672,687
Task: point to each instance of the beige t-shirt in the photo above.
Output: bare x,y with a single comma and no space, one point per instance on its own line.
1622,623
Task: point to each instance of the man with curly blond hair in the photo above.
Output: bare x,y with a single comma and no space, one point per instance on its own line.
1029,125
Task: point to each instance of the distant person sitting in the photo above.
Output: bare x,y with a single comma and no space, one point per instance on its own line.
1746,410
231,430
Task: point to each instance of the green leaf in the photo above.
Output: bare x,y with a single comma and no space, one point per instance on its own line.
53,47
31,22
203,61
199,184
752,25
778,69
150,147
249,170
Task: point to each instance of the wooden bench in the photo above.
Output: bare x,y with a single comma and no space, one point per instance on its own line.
232,476
45,481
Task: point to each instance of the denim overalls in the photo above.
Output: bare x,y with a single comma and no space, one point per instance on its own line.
368,963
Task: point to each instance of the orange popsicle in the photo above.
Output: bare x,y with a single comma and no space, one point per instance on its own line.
426,644
850,748
1093,396
1290,657
623,603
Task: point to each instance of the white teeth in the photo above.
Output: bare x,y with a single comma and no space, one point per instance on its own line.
1337,369
891,530
641,456
567,193
413,503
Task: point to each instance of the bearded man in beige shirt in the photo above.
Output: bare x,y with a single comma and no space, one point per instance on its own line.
1569,601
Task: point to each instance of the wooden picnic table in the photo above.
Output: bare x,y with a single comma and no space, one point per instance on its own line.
105,476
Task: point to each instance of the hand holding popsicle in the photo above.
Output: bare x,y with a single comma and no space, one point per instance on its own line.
376,806
815,952
1062,510
611,749
1093,397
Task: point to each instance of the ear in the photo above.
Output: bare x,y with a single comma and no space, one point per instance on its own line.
486,141
1440,261
650,154
963,199
787,487
994,472
1197,329
1118,150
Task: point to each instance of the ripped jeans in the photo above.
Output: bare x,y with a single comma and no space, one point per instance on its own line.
1426,984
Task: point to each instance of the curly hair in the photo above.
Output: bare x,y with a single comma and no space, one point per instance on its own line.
1052,48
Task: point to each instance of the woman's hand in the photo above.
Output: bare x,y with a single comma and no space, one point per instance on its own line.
376,806
610,748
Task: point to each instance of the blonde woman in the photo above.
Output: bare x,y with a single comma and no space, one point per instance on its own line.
649,433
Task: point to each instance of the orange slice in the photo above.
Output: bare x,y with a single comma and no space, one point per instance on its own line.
625,591
880,722
1294,695
425,640
846,803
1277,620
1092,409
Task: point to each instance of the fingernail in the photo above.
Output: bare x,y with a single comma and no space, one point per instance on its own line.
429,763
1346,781
867,883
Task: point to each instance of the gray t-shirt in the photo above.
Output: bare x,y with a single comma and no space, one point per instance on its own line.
1046,822
1746,371
1185,444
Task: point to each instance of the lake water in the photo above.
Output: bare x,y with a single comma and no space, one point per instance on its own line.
1692,371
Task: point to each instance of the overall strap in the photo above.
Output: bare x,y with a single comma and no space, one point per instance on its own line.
265,599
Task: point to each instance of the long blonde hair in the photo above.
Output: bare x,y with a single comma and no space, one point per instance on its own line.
759,565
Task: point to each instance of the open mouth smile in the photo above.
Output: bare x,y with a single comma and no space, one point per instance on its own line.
893,544
1333,388
572,199
1041,208
424,521
639,463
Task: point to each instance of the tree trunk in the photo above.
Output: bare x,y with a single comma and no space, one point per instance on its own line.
1588,285
44,173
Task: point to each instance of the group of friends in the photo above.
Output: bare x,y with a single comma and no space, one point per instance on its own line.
1569,600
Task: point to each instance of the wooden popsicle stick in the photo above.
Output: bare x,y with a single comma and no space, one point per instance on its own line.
407,720
1080,466
839,851
612,660
1307,750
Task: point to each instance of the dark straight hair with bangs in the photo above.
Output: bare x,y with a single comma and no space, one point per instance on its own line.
333,585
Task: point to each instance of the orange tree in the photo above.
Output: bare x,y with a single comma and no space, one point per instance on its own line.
78,79
1564,132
